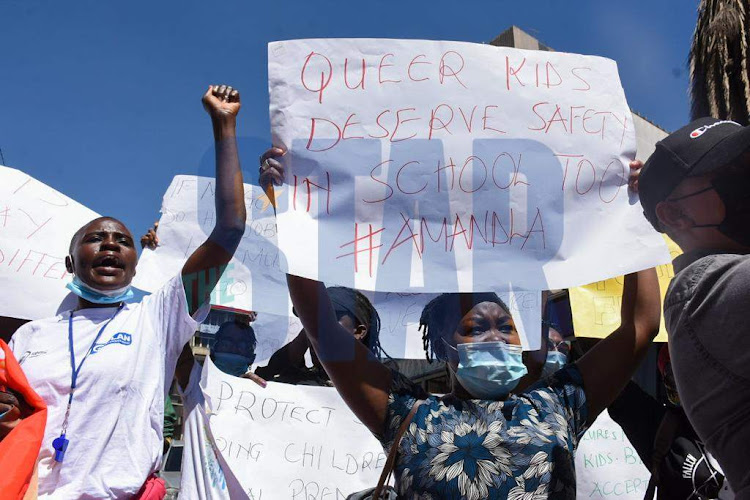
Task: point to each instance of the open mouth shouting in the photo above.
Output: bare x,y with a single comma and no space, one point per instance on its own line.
108,265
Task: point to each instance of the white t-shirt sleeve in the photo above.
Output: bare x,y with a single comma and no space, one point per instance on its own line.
19,341
169,309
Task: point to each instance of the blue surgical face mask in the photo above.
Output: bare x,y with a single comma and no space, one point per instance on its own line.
232,364
95,296
555,360
489,370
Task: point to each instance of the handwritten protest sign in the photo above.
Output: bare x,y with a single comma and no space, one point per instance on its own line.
252,280
287,441
36,225
607,465
446,166
596,307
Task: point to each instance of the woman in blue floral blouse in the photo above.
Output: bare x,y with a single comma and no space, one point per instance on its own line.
497,434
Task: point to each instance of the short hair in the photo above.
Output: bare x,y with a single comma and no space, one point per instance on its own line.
355,304
81,229
443,313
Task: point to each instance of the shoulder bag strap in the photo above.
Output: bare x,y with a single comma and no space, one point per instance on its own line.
393,453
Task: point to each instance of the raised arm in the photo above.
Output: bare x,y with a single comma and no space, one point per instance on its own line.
361,380
291,354
203,268
607,367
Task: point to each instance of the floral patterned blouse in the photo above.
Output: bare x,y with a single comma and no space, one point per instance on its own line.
520,448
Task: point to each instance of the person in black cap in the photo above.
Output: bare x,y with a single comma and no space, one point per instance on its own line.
695,188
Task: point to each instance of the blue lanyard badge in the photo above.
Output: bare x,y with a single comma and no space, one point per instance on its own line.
60,444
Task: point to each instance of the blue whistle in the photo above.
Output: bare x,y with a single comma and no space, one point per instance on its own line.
60,445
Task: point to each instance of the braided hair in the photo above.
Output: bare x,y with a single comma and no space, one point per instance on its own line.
442,314
355,304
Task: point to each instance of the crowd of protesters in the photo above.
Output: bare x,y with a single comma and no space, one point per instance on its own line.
509,422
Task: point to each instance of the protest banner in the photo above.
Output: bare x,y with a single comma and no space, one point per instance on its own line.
596,307
288,441
254,279
421,166
36,225
187,217
607,465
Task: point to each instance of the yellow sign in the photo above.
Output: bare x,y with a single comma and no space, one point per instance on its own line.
596,307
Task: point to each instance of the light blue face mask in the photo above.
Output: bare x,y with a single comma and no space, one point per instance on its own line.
232,364
489,370
95,296
555,360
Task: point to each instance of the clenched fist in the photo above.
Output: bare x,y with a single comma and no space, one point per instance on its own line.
222,102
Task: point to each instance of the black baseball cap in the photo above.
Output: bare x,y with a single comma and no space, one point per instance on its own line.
703,146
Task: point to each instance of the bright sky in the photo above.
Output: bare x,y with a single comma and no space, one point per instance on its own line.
101,100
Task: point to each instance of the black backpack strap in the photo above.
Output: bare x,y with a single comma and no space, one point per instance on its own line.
665,436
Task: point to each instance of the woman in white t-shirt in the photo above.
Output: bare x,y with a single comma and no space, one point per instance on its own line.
103,368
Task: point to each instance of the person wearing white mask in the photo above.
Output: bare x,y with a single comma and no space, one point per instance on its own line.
493,435
204,477
104,367
234,349
558,350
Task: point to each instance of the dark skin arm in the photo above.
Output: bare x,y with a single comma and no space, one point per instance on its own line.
203,268
184,366
607,367
360,379
292,354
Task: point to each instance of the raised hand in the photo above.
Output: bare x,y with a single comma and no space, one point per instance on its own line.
221,102
635,172
271,170
150,240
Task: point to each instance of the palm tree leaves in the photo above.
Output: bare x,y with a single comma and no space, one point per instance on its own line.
720,83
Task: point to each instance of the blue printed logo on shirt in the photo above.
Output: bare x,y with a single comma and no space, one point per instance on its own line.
118,338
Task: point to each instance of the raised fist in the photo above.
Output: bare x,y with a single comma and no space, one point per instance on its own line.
221,102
